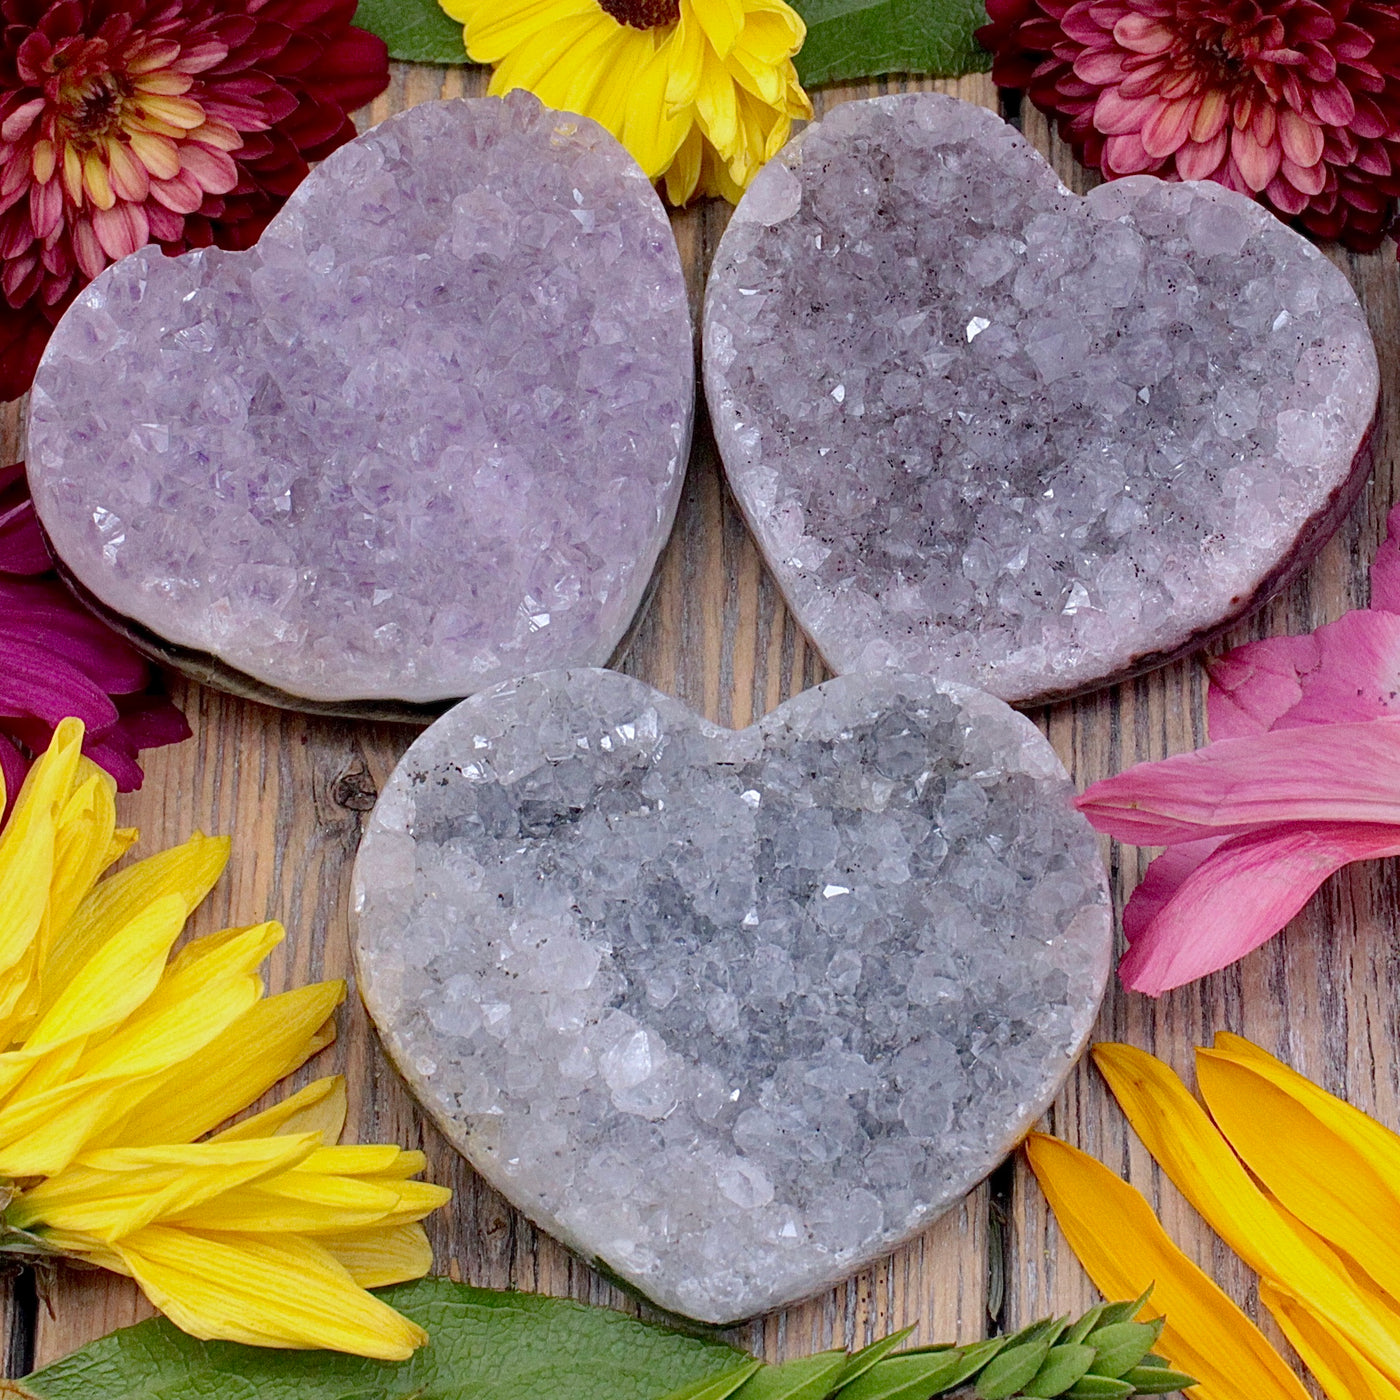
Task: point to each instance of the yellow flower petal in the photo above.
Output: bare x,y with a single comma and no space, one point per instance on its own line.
114,1191
493,33
84,845
1325,1177
318,1108
653,88
189,870
377,1258
684,174
1189,1148
274,1293
1343,1372
117,980
27,850
269,1041
1124,1249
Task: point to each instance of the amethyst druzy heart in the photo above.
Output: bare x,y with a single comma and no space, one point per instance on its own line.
733,1012
986,428
429,432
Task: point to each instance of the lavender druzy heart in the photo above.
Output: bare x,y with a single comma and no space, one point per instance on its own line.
430,431
733,1012
986,428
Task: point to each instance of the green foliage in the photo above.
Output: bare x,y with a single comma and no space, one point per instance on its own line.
846,39
516,1346
415,30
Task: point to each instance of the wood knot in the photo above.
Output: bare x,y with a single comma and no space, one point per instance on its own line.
353,790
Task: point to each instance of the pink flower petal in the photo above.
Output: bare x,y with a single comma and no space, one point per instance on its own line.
1348,670
1385,567
1239,896
1318,773
1164,877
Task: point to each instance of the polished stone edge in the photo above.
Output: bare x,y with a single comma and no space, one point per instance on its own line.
209,670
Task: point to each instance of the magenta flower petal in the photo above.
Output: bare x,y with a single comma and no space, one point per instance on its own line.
1240,896
1322,773
1385,568
36,683
1347,670
57,659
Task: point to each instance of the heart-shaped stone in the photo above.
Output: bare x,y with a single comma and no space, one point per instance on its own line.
989,429
732,1012
428,433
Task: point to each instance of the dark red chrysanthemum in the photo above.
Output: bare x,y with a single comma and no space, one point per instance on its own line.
57,660
1296,102
183,122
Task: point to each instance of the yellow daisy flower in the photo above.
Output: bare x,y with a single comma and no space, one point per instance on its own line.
116,1056
701,92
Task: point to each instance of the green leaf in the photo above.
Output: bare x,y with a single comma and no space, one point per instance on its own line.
489,1346
718,1387
1007,1373
1157,1380
1063,1366
808,1378
866,1357
1122,1345
415,30
916,1375
1099,1388
865,38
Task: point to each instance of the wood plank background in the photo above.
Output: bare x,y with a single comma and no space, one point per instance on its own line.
294,790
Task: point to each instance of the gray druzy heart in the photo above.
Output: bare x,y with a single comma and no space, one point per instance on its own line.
732,1012
428,433
983,427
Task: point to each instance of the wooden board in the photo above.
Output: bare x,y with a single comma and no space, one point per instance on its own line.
294,791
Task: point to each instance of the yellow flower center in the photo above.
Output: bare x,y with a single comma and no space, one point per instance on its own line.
643,14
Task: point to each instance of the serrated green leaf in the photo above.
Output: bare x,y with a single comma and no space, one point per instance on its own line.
1093,1387
808,1378
417,31
718,1387
1122,1346
865,38
1064,1365
491,1346
1157,1380
1013,1368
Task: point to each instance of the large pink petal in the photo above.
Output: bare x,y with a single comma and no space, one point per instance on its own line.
1347,670
1164,877
1319,773
1240,896
1385,567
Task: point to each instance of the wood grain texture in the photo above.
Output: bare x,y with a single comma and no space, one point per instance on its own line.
294,791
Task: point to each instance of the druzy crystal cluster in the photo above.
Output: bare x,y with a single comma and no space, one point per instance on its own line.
987,428
429,432
732,1012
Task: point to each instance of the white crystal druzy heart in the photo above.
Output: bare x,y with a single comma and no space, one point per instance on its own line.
429,432
732,1012
986,428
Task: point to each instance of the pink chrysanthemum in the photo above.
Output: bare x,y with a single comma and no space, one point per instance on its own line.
184,122
57,659
1295,102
